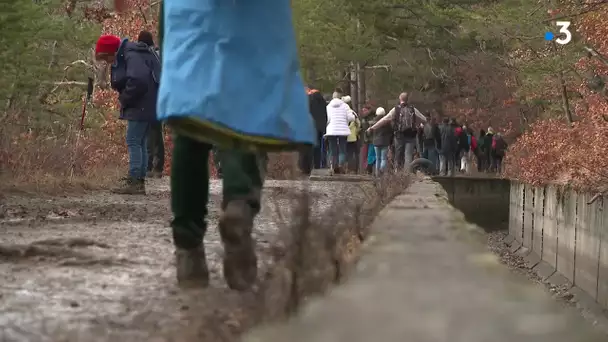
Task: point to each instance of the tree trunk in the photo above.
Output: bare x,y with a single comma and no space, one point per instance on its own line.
564,92
354,89
362,98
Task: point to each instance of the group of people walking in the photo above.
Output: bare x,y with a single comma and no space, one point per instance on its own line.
338,127
245,53
404,134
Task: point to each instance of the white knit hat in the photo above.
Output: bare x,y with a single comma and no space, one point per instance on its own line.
380,111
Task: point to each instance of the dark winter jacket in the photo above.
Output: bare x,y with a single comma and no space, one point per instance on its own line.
434,140
366,123
487,143
318,109
449,141
383,136
136,76
463,140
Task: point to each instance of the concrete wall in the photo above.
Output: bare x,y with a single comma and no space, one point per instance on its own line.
484,201
562,236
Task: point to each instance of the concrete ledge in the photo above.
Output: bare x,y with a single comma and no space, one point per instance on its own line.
341,178
426,275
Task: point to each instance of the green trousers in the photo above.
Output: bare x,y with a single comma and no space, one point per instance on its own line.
243,178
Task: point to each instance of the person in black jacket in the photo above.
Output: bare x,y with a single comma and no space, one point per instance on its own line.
449,146
134,75
311,157
431,142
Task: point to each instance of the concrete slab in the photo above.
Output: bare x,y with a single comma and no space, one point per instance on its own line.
515,246
544,270
588,304
602,293
517,225
528,223
532,259
427,277
523,251
566,235
509,239
559,279
539,220
321,172
550,224
588,226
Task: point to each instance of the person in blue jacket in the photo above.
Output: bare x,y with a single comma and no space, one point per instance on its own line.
231,79
135,75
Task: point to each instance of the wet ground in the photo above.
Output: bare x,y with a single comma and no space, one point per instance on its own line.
99,267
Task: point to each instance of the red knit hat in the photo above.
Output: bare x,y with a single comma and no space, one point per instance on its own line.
107,44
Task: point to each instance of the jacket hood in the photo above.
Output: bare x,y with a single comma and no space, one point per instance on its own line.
336,103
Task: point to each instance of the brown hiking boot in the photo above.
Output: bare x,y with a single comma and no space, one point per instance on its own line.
191,266
130,186
240,261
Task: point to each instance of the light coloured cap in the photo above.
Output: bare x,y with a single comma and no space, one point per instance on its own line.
380,111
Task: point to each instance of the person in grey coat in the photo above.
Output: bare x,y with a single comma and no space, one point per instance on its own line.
381,138
449,146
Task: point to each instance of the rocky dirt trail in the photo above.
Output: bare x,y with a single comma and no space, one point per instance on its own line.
99,267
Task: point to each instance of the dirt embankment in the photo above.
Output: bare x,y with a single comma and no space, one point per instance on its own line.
99,267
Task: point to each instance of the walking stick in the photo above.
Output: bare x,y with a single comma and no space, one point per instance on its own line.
85,103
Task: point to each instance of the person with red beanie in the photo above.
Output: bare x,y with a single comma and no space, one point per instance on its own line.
135,75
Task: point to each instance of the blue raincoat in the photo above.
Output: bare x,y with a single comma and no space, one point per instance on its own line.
230,74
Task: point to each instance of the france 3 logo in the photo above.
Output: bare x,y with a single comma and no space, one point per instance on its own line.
565,35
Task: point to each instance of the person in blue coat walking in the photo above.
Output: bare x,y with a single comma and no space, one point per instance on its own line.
231,79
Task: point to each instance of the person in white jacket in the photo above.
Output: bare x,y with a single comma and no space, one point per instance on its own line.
339,115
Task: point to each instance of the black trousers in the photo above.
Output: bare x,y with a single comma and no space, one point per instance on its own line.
310,157
156,147
352,155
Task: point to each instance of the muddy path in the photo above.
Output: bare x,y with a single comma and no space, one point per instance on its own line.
99,267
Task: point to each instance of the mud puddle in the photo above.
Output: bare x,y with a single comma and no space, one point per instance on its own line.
100,267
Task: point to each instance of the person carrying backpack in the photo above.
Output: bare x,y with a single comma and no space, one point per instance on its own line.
156,140
499,149
480,150
405,118
431,142
449,146
135,76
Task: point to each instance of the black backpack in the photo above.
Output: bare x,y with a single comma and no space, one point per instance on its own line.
405,118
